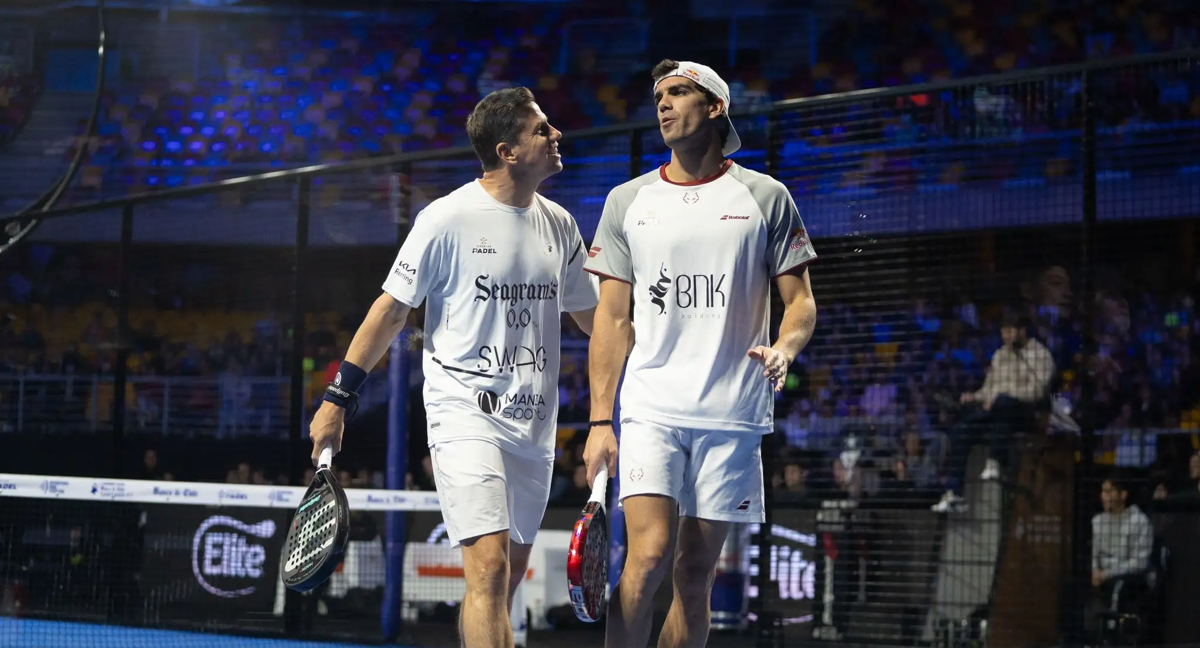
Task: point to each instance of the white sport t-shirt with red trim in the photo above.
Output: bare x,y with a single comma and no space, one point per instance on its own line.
497,279
700,257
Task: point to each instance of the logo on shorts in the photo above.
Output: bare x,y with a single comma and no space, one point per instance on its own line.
744,506
489,401
636,474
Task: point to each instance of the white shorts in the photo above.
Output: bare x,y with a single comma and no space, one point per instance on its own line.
483,489
712,474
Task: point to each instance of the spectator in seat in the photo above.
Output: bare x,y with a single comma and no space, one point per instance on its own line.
919,467
150,468
1122,540
1017,380
791,481
1189,490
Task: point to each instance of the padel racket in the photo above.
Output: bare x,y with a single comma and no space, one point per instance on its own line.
316,539
587,557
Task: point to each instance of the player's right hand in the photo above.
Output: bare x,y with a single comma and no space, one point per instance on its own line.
326,429
600,450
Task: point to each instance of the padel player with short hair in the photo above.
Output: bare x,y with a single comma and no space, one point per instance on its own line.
497,264
696,244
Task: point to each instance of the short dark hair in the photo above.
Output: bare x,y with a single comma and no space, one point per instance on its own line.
667,66
1119,482
1018,320
498,117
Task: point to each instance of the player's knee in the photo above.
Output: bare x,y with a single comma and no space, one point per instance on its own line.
486,570
694,588
693,576
517,570
491,581
649,558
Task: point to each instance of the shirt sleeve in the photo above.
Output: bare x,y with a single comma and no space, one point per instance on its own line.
581,290
788,244
609,255
420,264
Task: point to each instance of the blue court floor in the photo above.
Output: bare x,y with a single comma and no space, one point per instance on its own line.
28,633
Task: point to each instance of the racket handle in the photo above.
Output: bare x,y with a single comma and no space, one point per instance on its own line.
600,486
326,457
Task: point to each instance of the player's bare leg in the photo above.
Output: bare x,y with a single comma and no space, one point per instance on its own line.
698,549
650,525
518,563
483,621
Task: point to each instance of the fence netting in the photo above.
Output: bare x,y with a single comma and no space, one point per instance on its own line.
992,433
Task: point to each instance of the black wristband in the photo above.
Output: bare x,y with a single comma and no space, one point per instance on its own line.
592,424
343,398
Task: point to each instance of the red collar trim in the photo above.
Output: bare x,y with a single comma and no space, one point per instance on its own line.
662,173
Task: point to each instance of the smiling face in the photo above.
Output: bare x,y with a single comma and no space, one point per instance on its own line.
686,115
510,134
535,152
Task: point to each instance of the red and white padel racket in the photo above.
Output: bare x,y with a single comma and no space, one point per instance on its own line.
587,557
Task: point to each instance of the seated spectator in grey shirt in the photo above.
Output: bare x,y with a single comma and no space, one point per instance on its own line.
1122,540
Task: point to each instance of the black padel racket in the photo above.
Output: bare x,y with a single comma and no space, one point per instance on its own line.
316,539
587,557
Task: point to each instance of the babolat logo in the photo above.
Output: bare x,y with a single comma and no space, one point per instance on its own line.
515,292
54,487
732,217
226,561
159,491
232,495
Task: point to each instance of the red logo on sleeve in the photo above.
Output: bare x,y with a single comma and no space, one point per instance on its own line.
798,239
593,252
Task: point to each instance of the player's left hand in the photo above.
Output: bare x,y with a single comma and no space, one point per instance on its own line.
775,364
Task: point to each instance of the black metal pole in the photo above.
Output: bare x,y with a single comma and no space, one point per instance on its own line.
294,616
768,630
124,338
1085,478
635,153
296,415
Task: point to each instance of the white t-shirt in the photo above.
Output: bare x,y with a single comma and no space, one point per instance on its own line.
700,257
497,280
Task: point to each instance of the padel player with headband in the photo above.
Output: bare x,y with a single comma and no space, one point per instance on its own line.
496,265
696,244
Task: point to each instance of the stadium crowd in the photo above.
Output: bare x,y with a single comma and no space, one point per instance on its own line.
271,93
297,92
879,375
